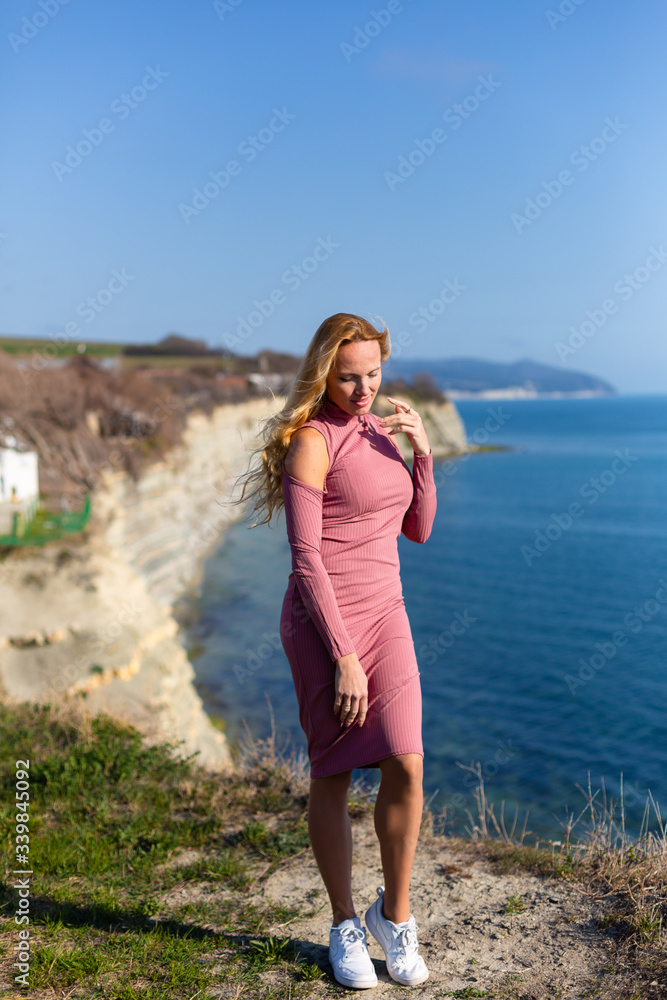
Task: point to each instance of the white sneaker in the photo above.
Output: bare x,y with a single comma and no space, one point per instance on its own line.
349,956
399,942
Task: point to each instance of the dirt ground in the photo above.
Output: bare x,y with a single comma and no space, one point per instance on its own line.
465,935
552,948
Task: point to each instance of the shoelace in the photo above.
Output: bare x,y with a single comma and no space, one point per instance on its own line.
353,938
408,940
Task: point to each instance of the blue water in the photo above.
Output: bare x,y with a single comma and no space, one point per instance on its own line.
516,688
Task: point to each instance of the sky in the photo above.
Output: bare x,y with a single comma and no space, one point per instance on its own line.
485,178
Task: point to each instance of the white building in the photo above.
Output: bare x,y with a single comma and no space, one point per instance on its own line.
19,479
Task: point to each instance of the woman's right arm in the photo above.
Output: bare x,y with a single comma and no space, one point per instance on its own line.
306,465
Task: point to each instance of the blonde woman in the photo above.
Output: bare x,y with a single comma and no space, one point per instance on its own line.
348,494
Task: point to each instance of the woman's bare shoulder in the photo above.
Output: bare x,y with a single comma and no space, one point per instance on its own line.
307,457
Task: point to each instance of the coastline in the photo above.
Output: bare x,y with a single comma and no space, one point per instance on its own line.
518,392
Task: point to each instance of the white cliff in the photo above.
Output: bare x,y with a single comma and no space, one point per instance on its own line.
92,615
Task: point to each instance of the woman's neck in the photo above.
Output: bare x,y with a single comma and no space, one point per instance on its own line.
337,410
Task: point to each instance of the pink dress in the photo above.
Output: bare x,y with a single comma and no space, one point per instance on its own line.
344,593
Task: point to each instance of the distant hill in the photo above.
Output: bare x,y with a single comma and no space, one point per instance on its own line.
174,344
473,375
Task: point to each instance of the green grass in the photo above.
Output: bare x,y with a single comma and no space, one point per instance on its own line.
109,817
514,904
271,950
275,843
514,858
26,345
23,347
468,993
311,973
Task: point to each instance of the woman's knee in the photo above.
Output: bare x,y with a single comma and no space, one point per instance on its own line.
333,786
408,769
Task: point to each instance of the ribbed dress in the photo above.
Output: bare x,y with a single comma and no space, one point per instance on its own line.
344,593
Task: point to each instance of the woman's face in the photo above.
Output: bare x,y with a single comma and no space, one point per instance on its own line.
354,380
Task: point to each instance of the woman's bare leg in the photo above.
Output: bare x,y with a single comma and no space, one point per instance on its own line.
331,840
398,814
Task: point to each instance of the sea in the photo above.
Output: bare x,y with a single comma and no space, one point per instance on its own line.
538,609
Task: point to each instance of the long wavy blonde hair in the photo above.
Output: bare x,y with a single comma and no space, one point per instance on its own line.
263,481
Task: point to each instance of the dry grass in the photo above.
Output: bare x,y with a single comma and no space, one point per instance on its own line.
81,419
626,875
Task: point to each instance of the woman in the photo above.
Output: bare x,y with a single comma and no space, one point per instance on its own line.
348,494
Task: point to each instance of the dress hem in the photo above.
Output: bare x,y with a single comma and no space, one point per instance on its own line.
375,763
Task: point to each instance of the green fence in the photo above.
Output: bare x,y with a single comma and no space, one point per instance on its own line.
37,524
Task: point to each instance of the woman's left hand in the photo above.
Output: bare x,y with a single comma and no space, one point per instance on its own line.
408,420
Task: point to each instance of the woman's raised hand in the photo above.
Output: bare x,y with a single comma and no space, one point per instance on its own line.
408,420
351,687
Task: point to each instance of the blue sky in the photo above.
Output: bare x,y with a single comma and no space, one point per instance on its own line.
316,106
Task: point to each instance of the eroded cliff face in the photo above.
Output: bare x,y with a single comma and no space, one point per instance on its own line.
166,524
92,615
77,619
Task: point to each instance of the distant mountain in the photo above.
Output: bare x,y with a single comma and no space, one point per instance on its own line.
472,375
